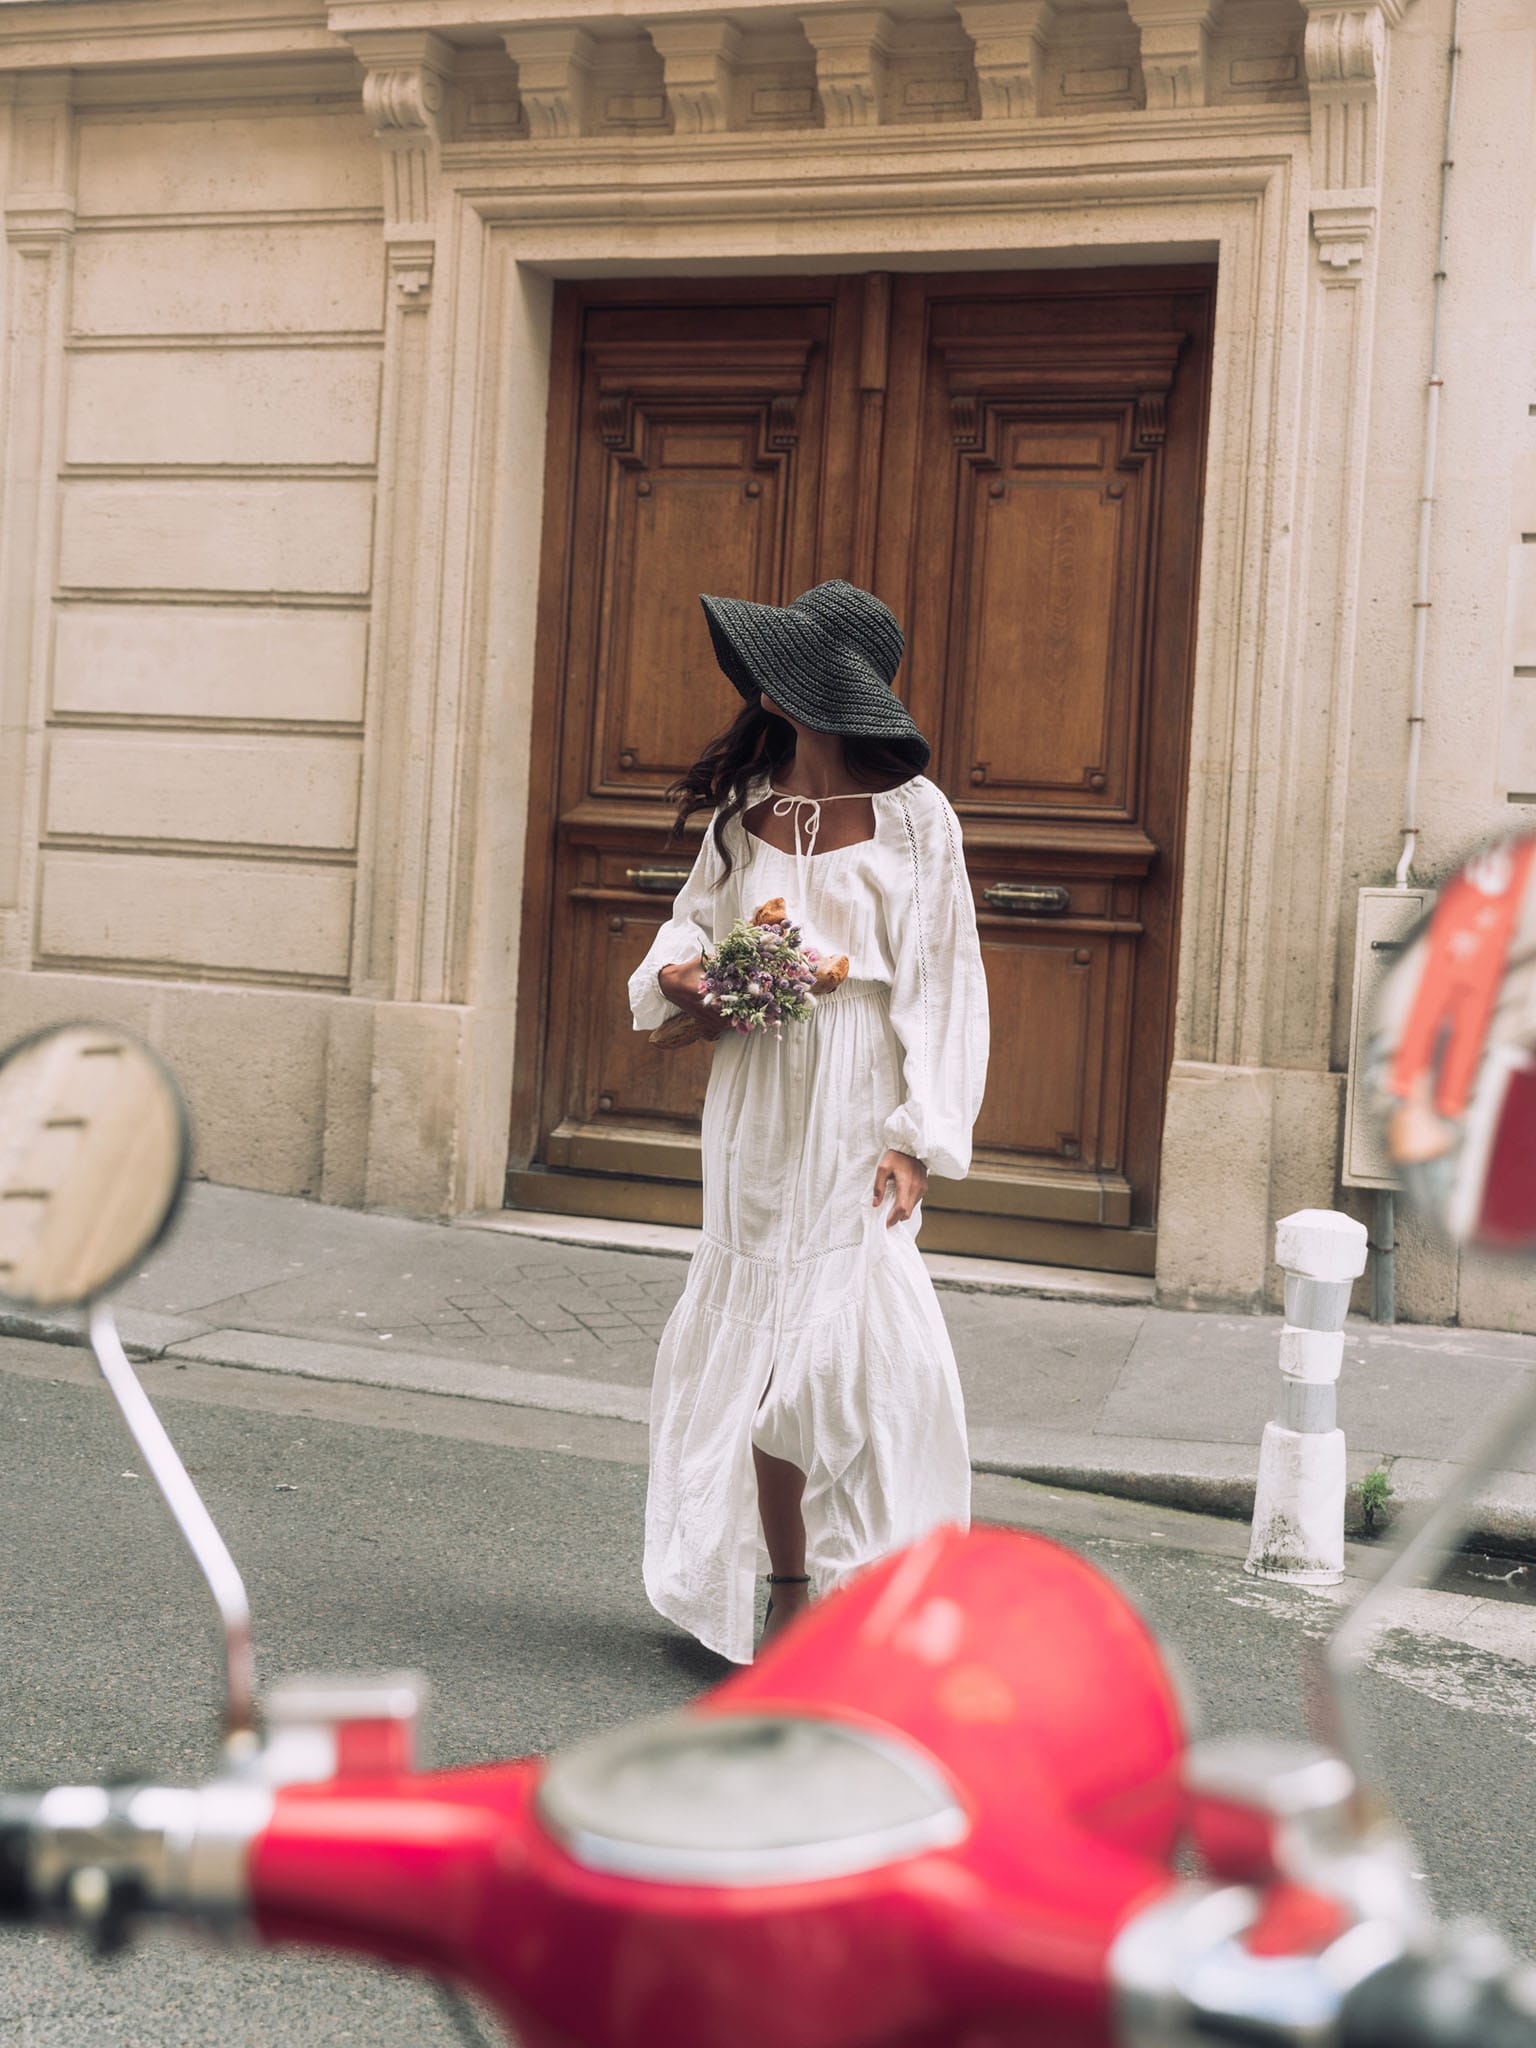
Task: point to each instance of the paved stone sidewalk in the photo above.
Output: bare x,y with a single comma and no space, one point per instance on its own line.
1112,1394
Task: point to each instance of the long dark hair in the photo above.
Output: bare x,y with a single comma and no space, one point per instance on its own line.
757,743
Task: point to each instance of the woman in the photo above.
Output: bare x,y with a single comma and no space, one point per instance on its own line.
806,1377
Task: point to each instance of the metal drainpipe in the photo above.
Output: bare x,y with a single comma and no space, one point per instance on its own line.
1421,602
1383,1256
1384,1207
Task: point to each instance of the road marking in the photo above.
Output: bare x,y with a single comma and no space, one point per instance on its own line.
1474,1656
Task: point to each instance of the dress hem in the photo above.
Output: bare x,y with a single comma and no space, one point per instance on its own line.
698,1634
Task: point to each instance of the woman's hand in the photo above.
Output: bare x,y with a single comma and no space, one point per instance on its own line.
908,1176
683,984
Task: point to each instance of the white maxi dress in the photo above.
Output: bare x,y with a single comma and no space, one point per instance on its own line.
808,1326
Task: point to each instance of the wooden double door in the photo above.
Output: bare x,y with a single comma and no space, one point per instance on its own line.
1013,461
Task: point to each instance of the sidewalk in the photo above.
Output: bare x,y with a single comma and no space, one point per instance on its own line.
1113,1395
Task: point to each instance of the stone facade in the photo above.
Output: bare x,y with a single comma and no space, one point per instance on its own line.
276,318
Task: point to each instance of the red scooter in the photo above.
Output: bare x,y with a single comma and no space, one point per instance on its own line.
944,1809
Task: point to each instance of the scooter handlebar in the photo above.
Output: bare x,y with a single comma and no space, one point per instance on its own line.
91,1857
1469,1993
96,1857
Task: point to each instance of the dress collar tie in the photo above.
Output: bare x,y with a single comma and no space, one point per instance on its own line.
812,807
791,807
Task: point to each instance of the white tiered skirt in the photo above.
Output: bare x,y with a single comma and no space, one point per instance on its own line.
807,1327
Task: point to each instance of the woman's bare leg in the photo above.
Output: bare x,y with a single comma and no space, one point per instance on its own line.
780,1487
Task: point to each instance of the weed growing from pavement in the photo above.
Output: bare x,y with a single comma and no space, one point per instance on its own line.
1375,1493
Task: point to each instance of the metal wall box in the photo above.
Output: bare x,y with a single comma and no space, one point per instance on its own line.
1384,919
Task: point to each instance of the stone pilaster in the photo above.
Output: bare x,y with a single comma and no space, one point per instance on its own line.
403,94
699,54
1175,50
39,233
1346,56
1010,38
554,78
853,47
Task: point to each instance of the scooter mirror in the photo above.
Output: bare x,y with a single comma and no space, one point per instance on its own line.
94,1146
93,1155
1453,1055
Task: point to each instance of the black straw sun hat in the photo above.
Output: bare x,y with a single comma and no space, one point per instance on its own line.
828,659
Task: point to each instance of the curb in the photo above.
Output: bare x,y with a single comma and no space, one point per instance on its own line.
300,1358
1502,1522
1199,1477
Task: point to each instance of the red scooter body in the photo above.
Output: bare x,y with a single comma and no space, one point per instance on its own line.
1026,1680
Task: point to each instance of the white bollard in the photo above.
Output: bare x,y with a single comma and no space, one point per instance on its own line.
1298,1510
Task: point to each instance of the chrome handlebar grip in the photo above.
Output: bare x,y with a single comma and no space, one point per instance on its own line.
1468,1992
1265,1815
96,1858
1184,1977
17,1811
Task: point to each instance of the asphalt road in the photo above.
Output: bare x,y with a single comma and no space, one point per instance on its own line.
497,1550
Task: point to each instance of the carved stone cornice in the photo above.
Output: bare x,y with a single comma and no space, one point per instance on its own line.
1342,233
1175,50
40,185
1010,38
403,93
37,227
1346,48
1345,39
698,57
554,78
403,96
853,47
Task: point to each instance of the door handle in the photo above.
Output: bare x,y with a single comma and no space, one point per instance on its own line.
1039,899
657,881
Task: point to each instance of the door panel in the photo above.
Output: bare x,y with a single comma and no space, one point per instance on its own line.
1014,464
622,1106
701,481
1055,546
699,460
1041,1105
722,520
1032,564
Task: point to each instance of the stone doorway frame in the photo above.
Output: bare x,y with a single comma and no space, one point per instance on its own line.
482,234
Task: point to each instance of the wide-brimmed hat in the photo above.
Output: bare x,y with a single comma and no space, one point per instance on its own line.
829,659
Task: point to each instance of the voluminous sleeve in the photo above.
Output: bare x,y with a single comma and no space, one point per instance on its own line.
939,988
688,932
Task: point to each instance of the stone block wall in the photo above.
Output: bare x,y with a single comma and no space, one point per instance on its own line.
195,290
216,497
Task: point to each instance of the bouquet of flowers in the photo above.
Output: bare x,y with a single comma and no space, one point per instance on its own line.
759,978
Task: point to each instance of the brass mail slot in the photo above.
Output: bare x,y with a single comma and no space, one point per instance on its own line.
657,881
1039,899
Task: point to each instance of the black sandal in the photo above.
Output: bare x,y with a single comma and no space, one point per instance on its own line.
783,1579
